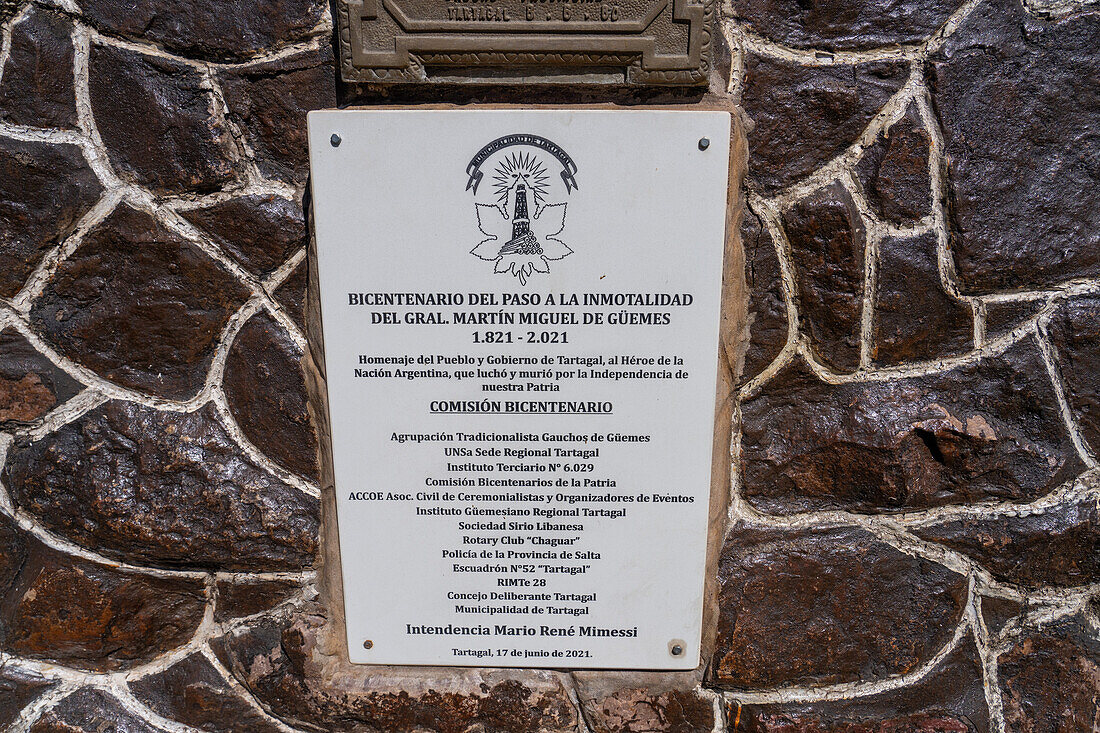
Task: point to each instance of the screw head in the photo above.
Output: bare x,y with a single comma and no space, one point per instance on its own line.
704,143
335,140
677,650
368,643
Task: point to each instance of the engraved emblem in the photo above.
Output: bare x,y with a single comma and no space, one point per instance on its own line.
520,213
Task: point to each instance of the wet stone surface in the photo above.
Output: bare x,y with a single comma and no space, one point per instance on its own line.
1074,331
643,711
37,88
44,191
1059,546
914,318
1050,680
167,489
949,699
265,389
827,241
91,711
767,310
850,26
30,385
260,232
139,305
989,430
807,607
893,172
17,690
269,102
1008,91
193,149
247,597
209,29
806,116
88,616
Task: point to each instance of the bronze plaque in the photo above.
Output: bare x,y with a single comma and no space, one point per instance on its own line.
640,42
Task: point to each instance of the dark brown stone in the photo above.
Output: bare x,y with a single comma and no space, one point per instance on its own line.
292,295
990,430
30,385
949,699
275,660
767,310
90,711
914,318
192,692
266,392
894,171
139,305
806,607
44,190
180,145
1075,333
805,116
643,711
1059,546
849,26
998,612
1015,96
165,488
827,242
1050,681
270,101
17,690
260,232
209,29
246,597
37,88
81,614
1000,318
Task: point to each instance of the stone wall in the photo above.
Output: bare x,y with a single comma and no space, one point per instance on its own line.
913,539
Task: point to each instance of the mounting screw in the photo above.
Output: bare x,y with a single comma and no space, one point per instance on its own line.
704,143
368,643
335,140
677,650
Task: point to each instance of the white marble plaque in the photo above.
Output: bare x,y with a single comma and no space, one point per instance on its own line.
520,314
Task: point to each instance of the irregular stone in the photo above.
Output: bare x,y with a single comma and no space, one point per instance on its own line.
17,690
850,26
824,606
177,120
30,385
767,308
37,89
1010,92
1075,333
987,430
209,29
192,692
998,612
805,116
270,101
44,191
139,305
91,711
643,711
165,488
292,295
258,231
1000,318
278,661
266,392
893,172
949,699
827,242
914,317
245,597
81,614
1050,681
1059,546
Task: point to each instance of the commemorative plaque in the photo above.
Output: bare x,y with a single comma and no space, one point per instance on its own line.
640,42
520,313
